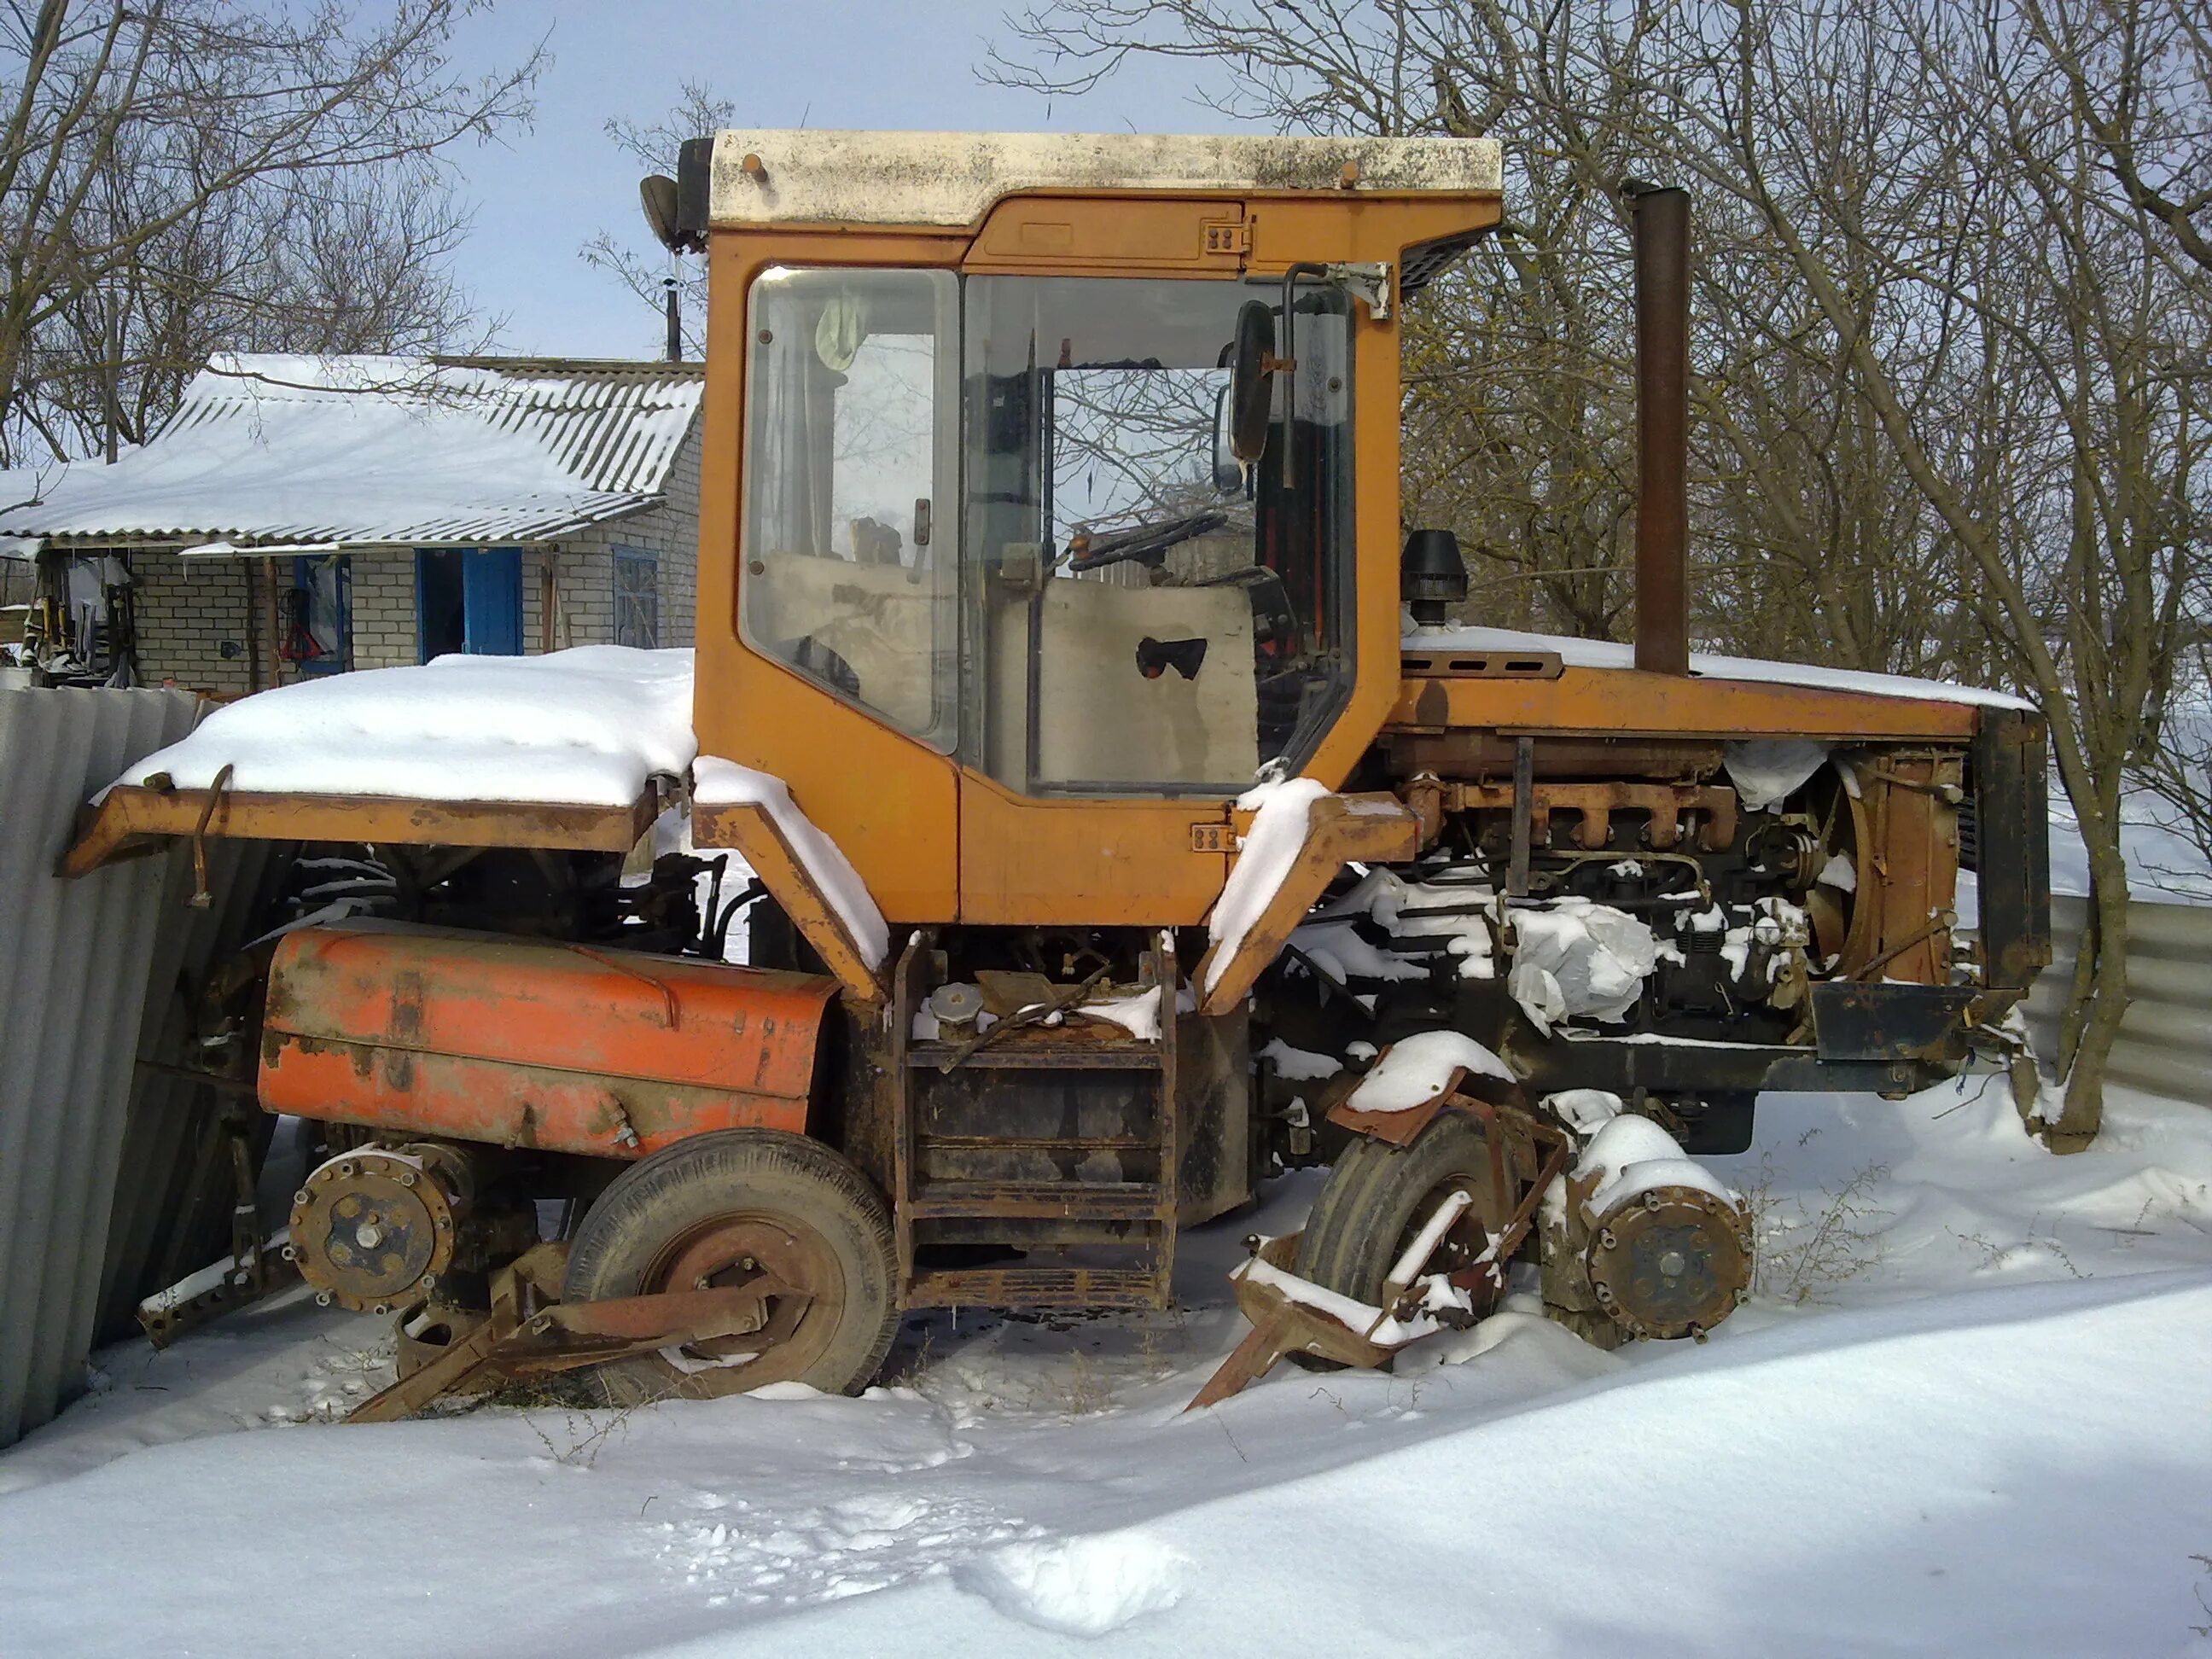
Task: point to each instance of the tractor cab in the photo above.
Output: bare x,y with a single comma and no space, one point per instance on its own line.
1048,499
988,511
1066,496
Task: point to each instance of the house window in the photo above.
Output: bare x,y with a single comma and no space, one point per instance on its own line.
637,598
318,616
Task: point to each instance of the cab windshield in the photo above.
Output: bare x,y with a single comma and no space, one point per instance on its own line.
1000,514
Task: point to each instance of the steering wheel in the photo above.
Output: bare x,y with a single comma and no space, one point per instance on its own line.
1147,542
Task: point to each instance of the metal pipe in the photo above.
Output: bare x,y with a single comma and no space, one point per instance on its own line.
1662,410
1287,366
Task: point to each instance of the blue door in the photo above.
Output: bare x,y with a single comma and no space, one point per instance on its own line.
467,599
491,603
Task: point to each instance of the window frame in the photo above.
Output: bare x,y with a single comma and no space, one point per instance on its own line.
622,554
1338,591
942,735
340,659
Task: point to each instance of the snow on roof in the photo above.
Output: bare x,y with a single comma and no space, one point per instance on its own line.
819,176
380,451
17,486
1603,653
588,726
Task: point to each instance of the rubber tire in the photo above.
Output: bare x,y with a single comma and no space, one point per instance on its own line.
657,1198
1360,1221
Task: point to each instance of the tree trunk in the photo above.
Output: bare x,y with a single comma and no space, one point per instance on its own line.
2097,1021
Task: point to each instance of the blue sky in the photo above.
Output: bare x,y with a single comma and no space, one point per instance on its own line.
539,195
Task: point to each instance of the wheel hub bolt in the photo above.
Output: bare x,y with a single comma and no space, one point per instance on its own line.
1673,1263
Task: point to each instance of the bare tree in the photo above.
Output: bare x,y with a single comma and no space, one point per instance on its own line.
180,174
2139,76
1950,353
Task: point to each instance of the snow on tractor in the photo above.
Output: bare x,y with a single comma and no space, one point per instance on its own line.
1115,839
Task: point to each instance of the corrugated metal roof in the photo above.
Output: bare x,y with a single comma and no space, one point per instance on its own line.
384,450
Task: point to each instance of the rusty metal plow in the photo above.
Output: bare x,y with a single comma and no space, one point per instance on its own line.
529,1332
1290,1315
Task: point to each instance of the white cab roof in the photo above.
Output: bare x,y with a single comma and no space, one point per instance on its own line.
953,177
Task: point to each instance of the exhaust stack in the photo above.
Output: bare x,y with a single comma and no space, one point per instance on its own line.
1662,445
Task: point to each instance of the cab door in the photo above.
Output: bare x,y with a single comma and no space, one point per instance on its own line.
1146,627
842,677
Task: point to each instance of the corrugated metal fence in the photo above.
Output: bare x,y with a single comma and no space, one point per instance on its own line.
103,1183
2165,1045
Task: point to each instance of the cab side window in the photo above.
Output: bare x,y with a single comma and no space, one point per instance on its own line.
852,393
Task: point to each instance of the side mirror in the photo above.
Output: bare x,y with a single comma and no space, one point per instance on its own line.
657,194
1252,362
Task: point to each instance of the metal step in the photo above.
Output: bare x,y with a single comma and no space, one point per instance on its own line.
1087,1200
1039,1287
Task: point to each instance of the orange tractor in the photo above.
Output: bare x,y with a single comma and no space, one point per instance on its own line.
1119,837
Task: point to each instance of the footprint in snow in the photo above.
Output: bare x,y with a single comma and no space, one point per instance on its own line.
866,1543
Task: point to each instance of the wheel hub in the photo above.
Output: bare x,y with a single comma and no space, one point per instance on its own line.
1670,1261
370,1228
733,1251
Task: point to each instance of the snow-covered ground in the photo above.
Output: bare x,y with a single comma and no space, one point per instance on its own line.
2165,865
1969,1411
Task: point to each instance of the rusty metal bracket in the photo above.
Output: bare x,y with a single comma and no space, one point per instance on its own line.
1282,1325
1491,1267
1370,829
200,898
1476,1095
753,831
530,1332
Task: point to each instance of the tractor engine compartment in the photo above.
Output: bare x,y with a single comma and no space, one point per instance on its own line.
1675,919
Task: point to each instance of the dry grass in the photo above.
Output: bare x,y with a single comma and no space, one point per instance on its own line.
1807,1246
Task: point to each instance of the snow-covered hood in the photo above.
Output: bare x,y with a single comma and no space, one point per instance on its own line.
1603,653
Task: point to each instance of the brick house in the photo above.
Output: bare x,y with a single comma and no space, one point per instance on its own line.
300,516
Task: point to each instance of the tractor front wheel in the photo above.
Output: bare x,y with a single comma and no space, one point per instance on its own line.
1379,1197
719,1210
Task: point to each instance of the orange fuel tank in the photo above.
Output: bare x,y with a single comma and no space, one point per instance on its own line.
566,1047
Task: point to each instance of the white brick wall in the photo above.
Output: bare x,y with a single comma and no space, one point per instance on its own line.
384,609
584,568
187,608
